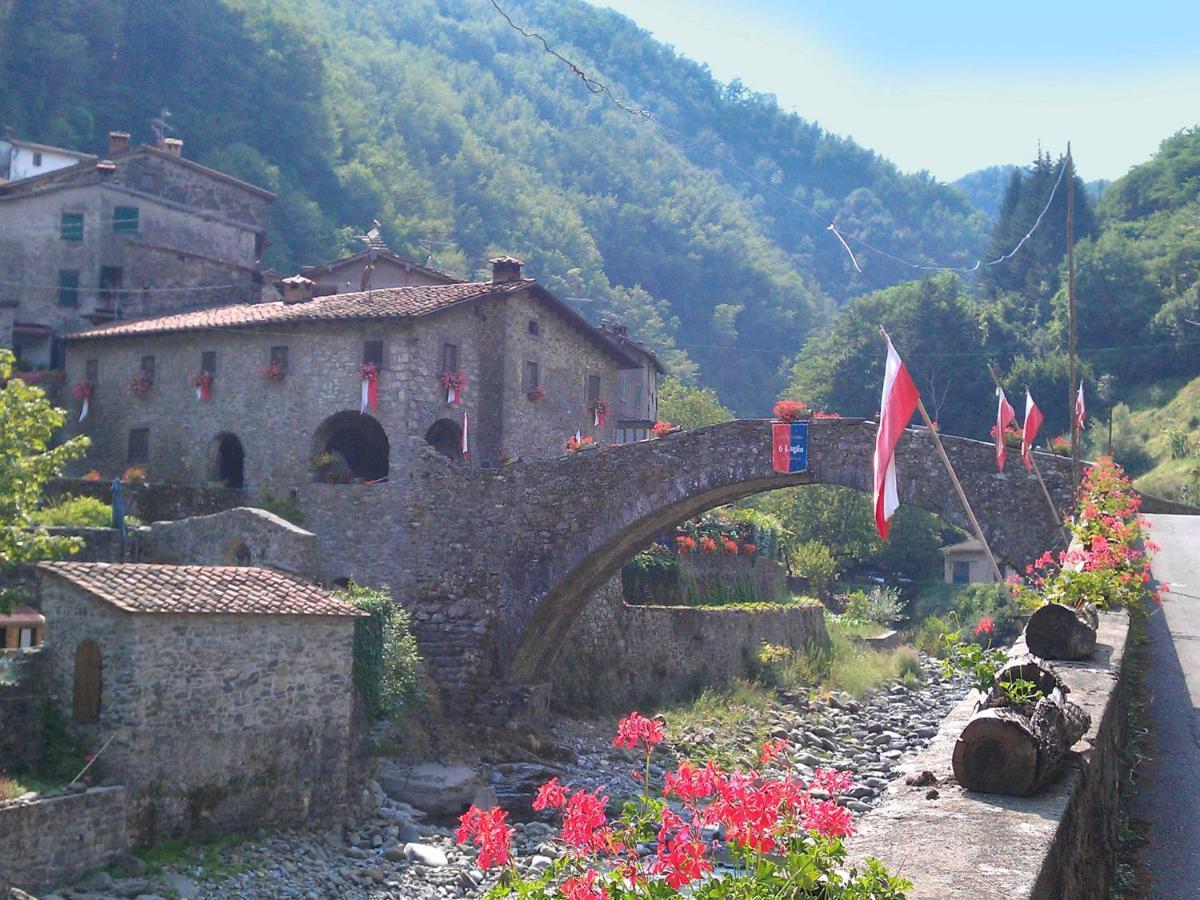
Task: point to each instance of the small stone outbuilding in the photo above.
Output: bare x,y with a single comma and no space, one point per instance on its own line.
967,563
225,691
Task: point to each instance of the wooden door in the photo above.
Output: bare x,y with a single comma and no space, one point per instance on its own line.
87,683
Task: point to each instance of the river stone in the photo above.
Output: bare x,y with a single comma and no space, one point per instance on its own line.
426,855
437,788
181,885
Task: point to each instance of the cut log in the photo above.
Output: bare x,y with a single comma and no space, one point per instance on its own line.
1019,750
1056,631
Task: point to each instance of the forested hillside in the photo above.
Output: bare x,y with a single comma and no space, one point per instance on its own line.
465,139
1137,290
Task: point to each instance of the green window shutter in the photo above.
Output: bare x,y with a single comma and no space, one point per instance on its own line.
72,226
125,219
68,288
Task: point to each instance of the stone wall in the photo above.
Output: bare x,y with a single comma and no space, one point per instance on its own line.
52,840
620,657
219,722
1061,843
21,711
235,537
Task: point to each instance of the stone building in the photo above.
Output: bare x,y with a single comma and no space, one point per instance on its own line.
967,563
141,232
373,268
21,629
226,692
283,401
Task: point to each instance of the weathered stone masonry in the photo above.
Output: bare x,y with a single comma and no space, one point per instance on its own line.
496,565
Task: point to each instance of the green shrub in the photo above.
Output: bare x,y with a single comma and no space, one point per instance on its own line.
880,604
286,506
652,576
908,664
815,561
930,637
77,512
385,653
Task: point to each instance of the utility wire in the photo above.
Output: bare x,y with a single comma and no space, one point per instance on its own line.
598,87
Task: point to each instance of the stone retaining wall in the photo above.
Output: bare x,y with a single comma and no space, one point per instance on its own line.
52,840
1061,843
154,502
619,656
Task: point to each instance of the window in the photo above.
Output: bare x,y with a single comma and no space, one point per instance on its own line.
624,386
593,389
37,158
111,279
68,287
72,227
279,357
87,685
531,377
535,328
3,637
962,572
139,445
208,362
373,353
125,220
449,358
91,371
148,366
26,638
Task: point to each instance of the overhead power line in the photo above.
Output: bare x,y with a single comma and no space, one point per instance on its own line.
596,86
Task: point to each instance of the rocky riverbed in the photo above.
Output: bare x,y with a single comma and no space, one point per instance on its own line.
402,851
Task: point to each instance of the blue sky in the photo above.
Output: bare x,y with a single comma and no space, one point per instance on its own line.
956,86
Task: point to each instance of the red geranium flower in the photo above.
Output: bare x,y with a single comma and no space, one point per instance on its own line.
789,410
486,830
636,729
985,626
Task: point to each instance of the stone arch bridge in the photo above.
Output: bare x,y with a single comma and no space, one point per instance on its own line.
496,565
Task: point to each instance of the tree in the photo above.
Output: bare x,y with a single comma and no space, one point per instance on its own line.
28,423
690,407
935,327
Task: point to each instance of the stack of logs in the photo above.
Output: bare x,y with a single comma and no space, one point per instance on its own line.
1019,750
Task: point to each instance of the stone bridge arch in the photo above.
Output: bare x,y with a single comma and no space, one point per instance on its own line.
673,479
496,564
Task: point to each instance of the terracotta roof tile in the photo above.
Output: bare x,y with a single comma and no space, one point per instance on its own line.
202,590
385,303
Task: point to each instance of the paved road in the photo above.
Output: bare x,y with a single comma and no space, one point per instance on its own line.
1169,796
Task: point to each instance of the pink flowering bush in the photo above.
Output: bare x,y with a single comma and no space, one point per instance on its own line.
784,834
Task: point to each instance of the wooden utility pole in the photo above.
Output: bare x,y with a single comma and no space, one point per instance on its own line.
1073,363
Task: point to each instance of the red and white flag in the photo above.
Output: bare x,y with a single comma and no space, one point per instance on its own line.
1080,409
466,451
1005,416
1033,421
896,408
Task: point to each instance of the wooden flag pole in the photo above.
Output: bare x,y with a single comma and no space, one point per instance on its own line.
962,495
1038,472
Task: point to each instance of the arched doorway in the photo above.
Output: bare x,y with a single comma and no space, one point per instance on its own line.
226,460
358,447
445,436
87,684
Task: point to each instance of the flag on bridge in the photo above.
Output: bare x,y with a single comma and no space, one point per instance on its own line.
1005,416
1080,409
466,451
896,408
1033,421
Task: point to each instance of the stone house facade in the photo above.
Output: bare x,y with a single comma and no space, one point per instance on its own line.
142,232
534,371
226,692
373,268
967,563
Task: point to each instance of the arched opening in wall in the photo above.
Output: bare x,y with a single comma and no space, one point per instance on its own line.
226,460
237,553
87,683
351,446
445,436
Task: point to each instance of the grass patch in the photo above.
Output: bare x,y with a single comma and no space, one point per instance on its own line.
844,665
721,723
207,858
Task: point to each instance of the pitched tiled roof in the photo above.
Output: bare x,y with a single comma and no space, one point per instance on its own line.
386,303
201,590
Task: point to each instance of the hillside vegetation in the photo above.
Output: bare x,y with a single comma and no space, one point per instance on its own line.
465,139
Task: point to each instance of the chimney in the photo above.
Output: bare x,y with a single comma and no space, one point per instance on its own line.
505,269
118,142
620,330
174,146
297,289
